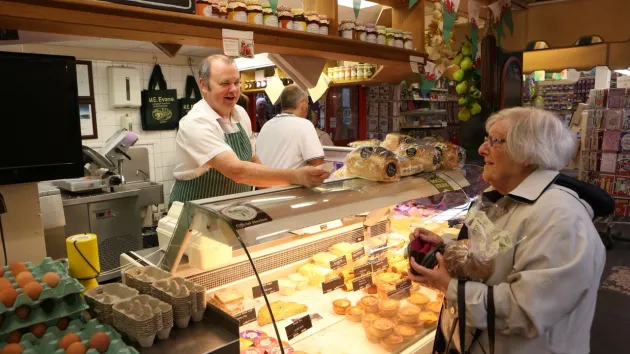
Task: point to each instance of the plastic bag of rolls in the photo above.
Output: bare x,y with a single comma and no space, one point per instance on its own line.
394,140
359,143
452,157
421,158
374,163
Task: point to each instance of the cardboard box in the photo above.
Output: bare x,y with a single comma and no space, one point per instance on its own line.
621,207
623,164
606,182
383,109
624,142
608,163
616,98
373,109
372,125
611,140
383,125
622,185
613,119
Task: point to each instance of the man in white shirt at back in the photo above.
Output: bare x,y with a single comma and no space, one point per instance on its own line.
289,140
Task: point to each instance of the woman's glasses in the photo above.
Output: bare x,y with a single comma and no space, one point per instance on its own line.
492,140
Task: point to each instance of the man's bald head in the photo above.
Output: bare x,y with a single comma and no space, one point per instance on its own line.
205,67
295,100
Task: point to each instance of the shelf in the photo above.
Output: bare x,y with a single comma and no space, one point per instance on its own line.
423,111
109,20
354,82
429,100
257,90
430,126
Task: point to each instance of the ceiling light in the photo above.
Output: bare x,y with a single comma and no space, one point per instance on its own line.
348,3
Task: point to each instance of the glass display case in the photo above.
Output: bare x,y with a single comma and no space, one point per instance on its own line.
331,261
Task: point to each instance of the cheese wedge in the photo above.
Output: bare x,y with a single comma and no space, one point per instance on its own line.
320,275
281,310
323,259
287,287
306,270
301,282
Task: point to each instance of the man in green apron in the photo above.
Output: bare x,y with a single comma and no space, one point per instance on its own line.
215,152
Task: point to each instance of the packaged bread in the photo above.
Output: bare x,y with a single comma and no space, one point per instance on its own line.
394,140
341,173
452,156
373,163
421,158
359,143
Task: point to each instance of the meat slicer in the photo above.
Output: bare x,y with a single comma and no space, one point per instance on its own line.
103,169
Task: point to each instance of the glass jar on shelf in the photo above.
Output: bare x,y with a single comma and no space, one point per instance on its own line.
269,18
285,17
237,11
299,20
360,71
389,33
398,39
346,28
254,12
223,10
381,35
201,6
353,72
408,40
312,22
331,74
347,73
323,24
359,32
370,33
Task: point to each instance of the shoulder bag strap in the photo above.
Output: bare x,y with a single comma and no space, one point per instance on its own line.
461,312
192,87
157,79
491,318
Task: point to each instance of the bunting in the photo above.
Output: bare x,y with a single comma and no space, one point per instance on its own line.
474,10
274,5
356,6
431,75
449,15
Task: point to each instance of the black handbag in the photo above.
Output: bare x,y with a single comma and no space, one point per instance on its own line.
160,108
186,103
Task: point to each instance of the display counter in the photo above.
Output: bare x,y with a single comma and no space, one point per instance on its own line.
339,243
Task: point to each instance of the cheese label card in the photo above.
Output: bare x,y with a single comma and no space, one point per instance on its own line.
382,248
270,288
399,294
363,282
314,317
332,285
359,239
403,284
245,317
362,270
298,327
358,254
338,262
244,215
380,264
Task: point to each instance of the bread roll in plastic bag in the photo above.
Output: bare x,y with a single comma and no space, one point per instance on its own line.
452,157
373,163
426,157
359,143
393,141
462,263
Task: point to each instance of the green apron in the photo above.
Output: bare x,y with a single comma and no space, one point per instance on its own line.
213,183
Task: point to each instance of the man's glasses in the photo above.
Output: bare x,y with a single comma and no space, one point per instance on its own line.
492,140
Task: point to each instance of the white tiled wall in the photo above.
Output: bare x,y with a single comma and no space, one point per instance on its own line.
160,144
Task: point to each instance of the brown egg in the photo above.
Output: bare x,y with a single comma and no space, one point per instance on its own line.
13,348
52,279
33,290
39,330
5,283
76,348
63,323
7,296
22,312
99,341
1,272
68,339
16,265
24,278
14,337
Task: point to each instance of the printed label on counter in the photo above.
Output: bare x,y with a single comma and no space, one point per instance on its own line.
358,254
440,184
298,327
362,270
245,215
270,288
338,262
245,317
399,294
314,317
332,285
380,249
360,283
380,264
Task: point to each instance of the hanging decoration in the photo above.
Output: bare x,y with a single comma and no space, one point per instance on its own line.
474,10
449,15
438,50
432,74
356,6
469,82
274,5
412,3
502,14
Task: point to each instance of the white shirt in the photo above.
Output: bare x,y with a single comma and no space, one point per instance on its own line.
201,137
288,142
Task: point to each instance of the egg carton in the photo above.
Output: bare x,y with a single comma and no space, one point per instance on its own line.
49,343
142,318
103,298
141,278
187,298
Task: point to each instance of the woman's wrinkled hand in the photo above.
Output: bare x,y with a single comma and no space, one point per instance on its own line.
437,278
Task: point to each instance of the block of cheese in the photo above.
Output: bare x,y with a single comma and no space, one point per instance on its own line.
301,282
306,270
343,249
323,259
287,287
320,275
281,310
230,300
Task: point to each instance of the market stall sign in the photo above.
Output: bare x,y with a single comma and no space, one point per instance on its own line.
440,184
380,249
245,317
362,270
241,216
358,254
360,283
380,264
338,262
298,327
270,288
332,285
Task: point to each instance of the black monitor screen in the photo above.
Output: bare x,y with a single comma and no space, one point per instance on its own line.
40,133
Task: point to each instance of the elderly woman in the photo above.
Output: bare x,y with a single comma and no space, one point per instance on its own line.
545,288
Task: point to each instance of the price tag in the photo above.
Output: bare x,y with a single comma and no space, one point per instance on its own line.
380,264
403,290
362,270
338,262
298,327
314,317
360,283
403,284
332,285
246,317
380,249
359,239
358,254
270,288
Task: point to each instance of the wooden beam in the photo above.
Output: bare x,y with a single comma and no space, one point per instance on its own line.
108,20
169,49
579,58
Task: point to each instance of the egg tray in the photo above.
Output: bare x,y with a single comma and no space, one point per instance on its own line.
187,298
141,278
49,343
103,298
142,318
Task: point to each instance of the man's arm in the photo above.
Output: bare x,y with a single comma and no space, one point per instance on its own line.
256,159
315,162
259,175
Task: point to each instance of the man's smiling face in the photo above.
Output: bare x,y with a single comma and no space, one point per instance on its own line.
225,87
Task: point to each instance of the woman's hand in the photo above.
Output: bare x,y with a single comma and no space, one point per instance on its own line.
425,235
438,277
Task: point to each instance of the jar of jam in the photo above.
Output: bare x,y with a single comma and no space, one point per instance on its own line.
353,72
201,6
389,34
336,74
285,16
347,73
381,37
223,12
398,39
254,12
312,22
408,40
346,28
269,18
331,74
299,20
237,11
323,25
359,32
370,33
360,71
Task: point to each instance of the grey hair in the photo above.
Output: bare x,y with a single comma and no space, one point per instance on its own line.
206,65
536,137
291,97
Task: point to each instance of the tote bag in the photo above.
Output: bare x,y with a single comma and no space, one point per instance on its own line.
186,103
160,109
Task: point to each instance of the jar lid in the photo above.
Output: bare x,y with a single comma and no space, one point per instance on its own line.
283,8
311,13
252,2
390,31
381,28
297,12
